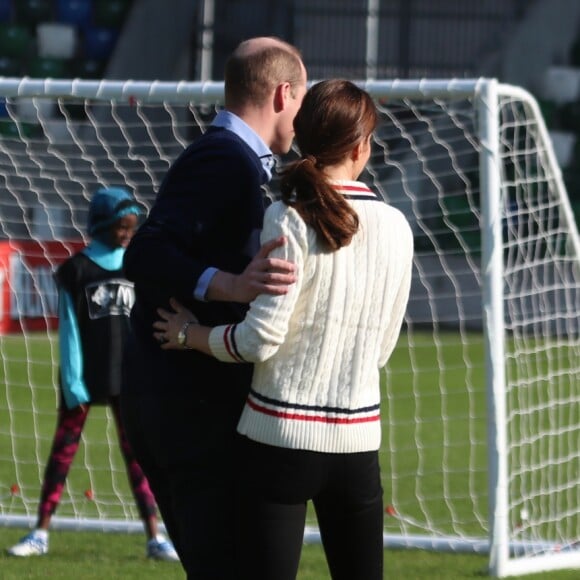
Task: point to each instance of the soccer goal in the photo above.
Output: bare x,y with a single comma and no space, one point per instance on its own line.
481,399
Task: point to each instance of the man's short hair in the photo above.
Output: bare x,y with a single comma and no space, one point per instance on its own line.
252,75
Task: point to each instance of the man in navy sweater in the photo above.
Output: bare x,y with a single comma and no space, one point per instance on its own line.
200,244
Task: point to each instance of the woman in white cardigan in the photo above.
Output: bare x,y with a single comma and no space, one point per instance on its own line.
311,426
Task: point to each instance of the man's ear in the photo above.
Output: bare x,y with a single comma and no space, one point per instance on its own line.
281,95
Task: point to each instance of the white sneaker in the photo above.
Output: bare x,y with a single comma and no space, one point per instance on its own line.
160,548
34,544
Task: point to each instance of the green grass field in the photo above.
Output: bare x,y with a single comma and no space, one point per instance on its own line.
96,556
440,465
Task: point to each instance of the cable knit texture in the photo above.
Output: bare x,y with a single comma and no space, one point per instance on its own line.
319,348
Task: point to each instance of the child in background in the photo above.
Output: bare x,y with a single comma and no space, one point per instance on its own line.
95,300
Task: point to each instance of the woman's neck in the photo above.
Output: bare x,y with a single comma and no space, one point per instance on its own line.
343,172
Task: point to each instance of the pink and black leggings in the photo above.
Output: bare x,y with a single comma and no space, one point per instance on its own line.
70,424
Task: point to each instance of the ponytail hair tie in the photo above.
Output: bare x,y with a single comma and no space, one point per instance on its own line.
307,159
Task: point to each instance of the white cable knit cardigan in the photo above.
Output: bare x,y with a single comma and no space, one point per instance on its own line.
318,349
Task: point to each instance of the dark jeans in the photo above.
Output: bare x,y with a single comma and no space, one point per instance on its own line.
274,487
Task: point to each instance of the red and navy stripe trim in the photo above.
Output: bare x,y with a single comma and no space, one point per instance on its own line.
230,343
359,192
312,413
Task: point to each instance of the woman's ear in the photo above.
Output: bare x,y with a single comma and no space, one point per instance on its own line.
357,151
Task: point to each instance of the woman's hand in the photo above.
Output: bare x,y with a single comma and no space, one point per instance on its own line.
167,329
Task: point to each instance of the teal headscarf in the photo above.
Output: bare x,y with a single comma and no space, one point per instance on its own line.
108,204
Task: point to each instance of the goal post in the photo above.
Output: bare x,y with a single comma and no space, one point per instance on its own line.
481,398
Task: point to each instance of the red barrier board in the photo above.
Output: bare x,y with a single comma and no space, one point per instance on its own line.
28,295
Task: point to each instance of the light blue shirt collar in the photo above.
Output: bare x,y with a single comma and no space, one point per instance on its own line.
233,123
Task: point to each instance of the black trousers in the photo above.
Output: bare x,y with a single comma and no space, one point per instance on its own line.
194,496
274,487
186,448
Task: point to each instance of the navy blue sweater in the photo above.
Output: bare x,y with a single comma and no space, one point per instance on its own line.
208,212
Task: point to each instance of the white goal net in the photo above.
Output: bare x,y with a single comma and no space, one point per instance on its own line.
481,406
